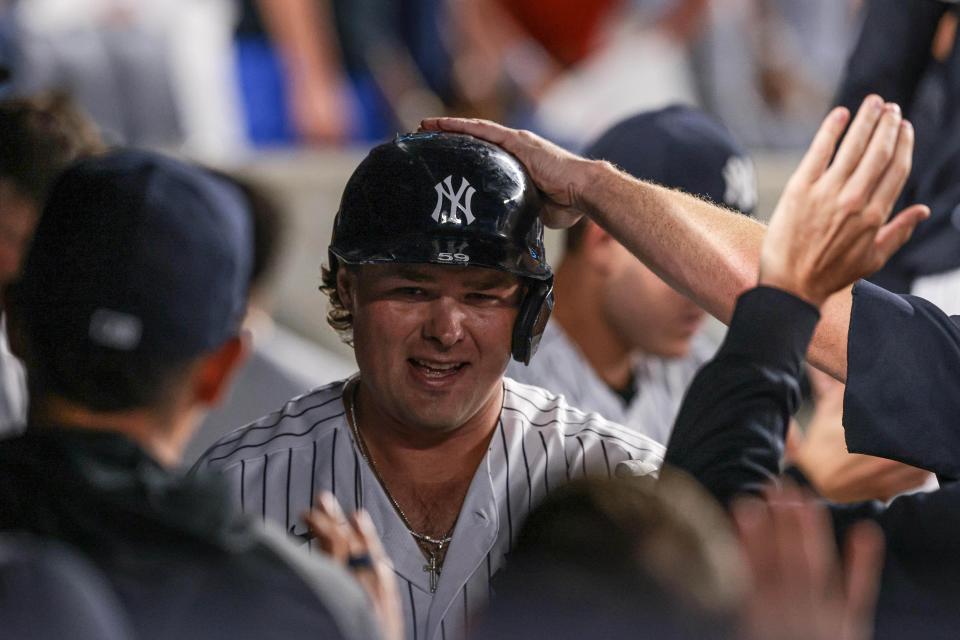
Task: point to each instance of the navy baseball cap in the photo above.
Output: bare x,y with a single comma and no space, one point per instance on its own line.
138,253
681,147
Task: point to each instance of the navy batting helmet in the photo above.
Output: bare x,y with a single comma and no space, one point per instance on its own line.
449,199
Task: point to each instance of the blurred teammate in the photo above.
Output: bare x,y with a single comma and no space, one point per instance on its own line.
38,137
622,342
40,577
437,277
281,364
908,52
127,317
627,557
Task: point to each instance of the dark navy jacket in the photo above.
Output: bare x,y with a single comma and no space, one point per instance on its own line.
893,58
902,402
181,562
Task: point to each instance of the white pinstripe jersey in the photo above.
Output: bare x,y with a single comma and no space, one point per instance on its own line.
661,383
276,465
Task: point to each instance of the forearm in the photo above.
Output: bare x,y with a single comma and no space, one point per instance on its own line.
730,430
837,474
303,33
850,477
708,253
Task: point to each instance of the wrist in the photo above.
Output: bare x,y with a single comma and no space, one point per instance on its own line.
592,182
777,274
790,285
771,327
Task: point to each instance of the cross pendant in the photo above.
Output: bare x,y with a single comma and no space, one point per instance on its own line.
433,568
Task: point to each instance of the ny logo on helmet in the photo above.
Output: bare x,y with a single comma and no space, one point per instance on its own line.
445,191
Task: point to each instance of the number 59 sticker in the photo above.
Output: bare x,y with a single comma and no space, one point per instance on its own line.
453,257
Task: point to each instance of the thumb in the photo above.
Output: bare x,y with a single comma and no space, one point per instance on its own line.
895,233
557,216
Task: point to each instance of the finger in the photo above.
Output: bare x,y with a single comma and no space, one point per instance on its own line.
896,174
821,149
489,131
875,160
897,232
358,544
329,534
752,520
858,137
863,562
792,579
376,578
328,523
367,532
792,557
766,604
558,216
328,504
818,546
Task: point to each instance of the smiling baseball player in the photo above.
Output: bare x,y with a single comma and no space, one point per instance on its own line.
437,277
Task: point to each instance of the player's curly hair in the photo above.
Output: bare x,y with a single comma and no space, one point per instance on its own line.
338,317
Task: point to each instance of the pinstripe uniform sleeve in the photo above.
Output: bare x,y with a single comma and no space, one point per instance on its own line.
587,439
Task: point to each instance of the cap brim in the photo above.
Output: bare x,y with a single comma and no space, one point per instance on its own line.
457,251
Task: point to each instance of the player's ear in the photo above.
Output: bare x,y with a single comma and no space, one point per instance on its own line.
216,370
347,287
599,249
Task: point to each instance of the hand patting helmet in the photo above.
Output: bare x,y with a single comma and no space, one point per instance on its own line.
450,199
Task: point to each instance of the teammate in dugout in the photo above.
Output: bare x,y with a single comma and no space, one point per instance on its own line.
621,341
437,276
127,317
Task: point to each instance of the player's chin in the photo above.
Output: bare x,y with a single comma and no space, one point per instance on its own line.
437,423
677,348
435,414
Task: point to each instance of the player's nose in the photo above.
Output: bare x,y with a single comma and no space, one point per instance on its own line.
444,322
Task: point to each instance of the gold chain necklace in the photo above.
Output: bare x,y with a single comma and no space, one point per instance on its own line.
432,548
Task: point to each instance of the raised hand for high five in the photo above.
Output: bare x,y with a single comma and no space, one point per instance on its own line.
831,225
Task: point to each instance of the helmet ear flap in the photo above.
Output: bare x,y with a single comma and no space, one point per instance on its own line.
333,263
532,320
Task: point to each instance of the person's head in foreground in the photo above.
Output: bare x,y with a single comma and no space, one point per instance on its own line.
622,557
128,311
678,147
438,277
39,136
